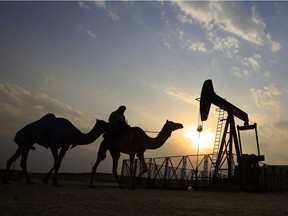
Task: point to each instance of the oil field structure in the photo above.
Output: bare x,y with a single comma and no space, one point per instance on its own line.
227,167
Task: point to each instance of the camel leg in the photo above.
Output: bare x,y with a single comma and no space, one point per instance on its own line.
62,153
23,164
45,179
132,175
56,166
58,160
17,154
143,163
115,157
94,168
100,157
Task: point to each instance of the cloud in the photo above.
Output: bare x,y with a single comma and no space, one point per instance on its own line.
247,66
113,15
9,109
184,42
91,34
252,62
239,71
184,19
275,46
100,4
20,105
196,46
267,73
230,17
229,45
87,31
165,41
182,96
266,98
176,94
83,4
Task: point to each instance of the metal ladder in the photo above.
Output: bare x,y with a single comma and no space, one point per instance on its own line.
217,140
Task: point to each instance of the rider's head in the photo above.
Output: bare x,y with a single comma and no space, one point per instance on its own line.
121,109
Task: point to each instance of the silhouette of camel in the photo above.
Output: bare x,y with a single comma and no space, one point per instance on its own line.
132,141
54,133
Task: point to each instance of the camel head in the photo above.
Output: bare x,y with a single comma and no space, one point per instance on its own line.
172,126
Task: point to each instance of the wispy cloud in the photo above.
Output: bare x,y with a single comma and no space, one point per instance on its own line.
183,96
183,41
176,94
196,46
266,98
267,73
239,71
229,45
189,44
248,65
230,17
252,62
184,19
91,34
25,106
165,41
100,4
114,15
87,31
84,4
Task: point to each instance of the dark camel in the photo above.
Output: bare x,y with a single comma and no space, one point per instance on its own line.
132,141
54,133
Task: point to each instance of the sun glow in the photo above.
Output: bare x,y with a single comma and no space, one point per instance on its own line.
204,139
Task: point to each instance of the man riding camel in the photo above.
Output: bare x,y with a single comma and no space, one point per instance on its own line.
117,121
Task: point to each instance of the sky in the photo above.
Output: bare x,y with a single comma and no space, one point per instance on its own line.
81,60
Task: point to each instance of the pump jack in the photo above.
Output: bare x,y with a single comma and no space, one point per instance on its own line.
246,173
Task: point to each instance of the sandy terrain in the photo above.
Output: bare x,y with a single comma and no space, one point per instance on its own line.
77,199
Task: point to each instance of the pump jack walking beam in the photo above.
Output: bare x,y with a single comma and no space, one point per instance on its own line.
208,97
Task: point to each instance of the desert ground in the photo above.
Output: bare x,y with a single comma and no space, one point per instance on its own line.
76,198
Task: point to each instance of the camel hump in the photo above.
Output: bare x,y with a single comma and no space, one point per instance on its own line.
36,131
62,129
48,117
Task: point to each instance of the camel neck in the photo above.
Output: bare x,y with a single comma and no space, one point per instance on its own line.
90,137
159,140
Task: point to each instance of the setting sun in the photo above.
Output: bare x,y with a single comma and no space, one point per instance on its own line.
204,139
